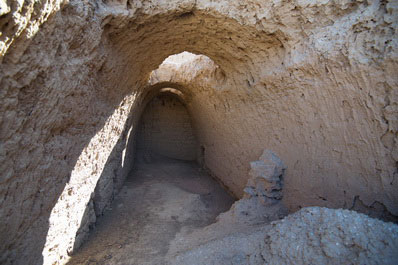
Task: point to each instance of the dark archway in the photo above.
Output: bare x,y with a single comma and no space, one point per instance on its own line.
165,128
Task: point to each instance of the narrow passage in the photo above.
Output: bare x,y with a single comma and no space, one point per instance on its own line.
157,201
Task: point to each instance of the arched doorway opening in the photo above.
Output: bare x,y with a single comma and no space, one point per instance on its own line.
168,190
165,129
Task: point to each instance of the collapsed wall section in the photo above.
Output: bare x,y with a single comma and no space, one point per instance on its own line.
313,235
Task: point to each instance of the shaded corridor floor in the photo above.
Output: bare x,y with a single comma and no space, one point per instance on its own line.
156,202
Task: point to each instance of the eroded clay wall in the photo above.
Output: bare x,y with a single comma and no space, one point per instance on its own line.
315,81
61,131
319,132
165,129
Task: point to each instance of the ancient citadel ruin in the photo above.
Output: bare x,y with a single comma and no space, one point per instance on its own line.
288,105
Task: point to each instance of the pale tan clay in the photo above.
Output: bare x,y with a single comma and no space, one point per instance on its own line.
314,81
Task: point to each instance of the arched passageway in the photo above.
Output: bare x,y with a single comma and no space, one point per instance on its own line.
166,193
165,129
300,78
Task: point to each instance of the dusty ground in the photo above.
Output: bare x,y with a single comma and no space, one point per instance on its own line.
166,214
157,201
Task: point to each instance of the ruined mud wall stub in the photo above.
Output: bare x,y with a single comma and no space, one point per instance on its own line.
246,235
313,235
314,81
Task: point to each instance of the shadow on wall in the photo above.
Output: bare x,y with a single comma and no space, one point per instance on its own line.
164,109
87,165
116,169
87,193
46,147
98,173
62,138
66,200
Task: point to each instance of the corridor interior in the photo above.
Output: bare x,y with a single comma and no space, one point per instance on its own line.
166,193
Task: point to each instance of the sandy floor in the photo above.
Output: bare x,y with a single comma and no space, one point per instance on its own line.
157,201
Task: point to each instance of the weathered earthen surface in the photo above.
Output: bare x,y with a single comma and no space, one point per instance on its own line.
261,202
254,130
159,199
315,81
21,20
313,235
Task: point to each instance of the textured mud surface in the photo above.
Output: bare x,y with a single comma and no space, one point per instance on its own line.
313,80
167,214
313,235
158,200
